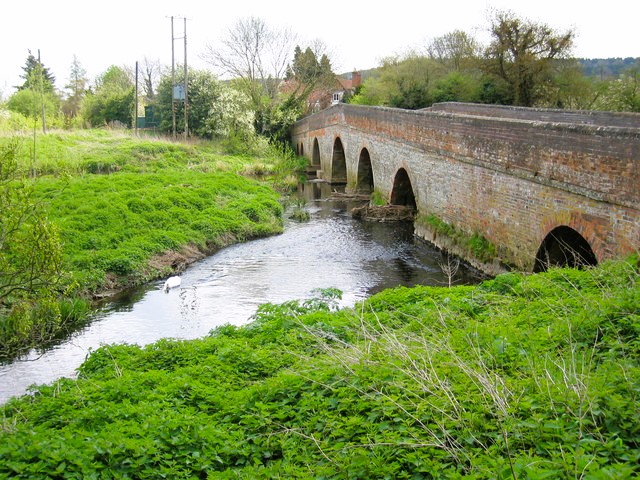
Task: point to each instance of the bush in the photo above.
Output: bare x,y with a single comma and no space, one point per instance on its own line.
13,122
29,103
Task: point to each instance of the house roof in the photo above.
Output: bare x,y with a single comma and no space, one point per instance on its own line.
345,83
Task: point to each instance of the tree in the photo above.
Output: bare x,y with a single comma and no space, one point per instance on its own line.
570,88
36,76
621,94
456,51
457,87
229,115
113,99
38,84
522,53
405,82
307,69
76,89
215,108
114,79
310,73
30,104
255,56
151,70
30,249
369,93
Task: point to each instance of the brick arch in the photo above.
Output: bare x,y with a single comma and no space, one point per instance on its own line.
338,162
402,191
364,178
593,229
564,247
315,154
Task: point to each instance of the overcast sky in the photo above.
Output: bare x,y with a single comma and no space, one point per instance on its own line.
357,34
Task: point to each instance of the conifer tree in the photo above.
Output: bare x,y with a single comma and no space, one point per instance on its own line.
36,76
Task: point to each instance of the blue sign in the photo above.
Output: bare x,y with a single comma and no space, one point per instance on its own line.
178,92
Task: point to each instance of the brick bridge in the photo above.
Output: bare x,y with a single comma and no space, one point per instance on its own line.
500,186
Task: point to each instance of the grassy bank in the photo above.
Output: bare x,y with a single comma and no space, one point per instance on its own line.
128,210
520,377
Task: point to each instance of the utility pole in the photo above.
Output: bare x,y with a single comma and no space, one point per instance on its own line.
186,114
184,95
41,75
135,114
173,80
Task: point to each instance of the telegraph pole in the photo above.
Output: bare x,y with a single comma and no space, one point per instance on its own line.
186,115
41,75
184,95
135,115
173,80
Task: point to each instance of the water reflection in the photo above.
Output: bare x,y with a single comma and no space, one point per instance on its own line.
330,251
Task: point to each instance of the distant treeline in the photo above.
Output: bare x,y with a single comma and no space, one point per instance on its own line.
608,67
592,67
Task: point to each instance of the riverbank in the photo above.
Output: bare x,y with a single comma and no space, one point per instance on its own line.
329,250
522,376
129,210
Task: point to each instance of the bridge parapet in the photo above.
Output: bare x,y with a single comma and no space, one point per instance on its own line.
576,117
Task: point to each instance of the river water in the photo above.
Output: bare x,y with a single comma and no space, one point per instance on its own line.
330,251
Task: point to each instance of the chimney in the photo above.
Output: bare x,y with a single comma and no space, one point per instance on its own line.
356,79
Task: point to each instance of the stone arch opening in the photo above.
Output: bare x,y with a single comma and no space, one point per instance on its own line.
315,156
402,193
301,149
365,173
338,163
564,247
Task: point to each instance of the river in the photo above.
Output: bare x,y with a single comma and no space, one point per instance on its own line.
331,250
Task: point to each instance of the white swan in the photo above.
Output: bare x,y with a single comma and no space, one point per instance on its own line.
171,282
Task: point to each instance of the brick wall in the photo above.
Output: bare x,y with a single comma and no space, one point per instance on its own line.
512,177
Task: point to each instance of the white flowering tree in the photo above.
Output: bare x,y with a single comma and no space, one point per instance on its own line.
230,114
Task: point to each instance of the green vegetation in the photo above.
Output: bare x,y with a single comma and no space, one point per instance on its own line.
520,377
475,245
30,258
297,210
377,199
524,63
97,211
112,101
